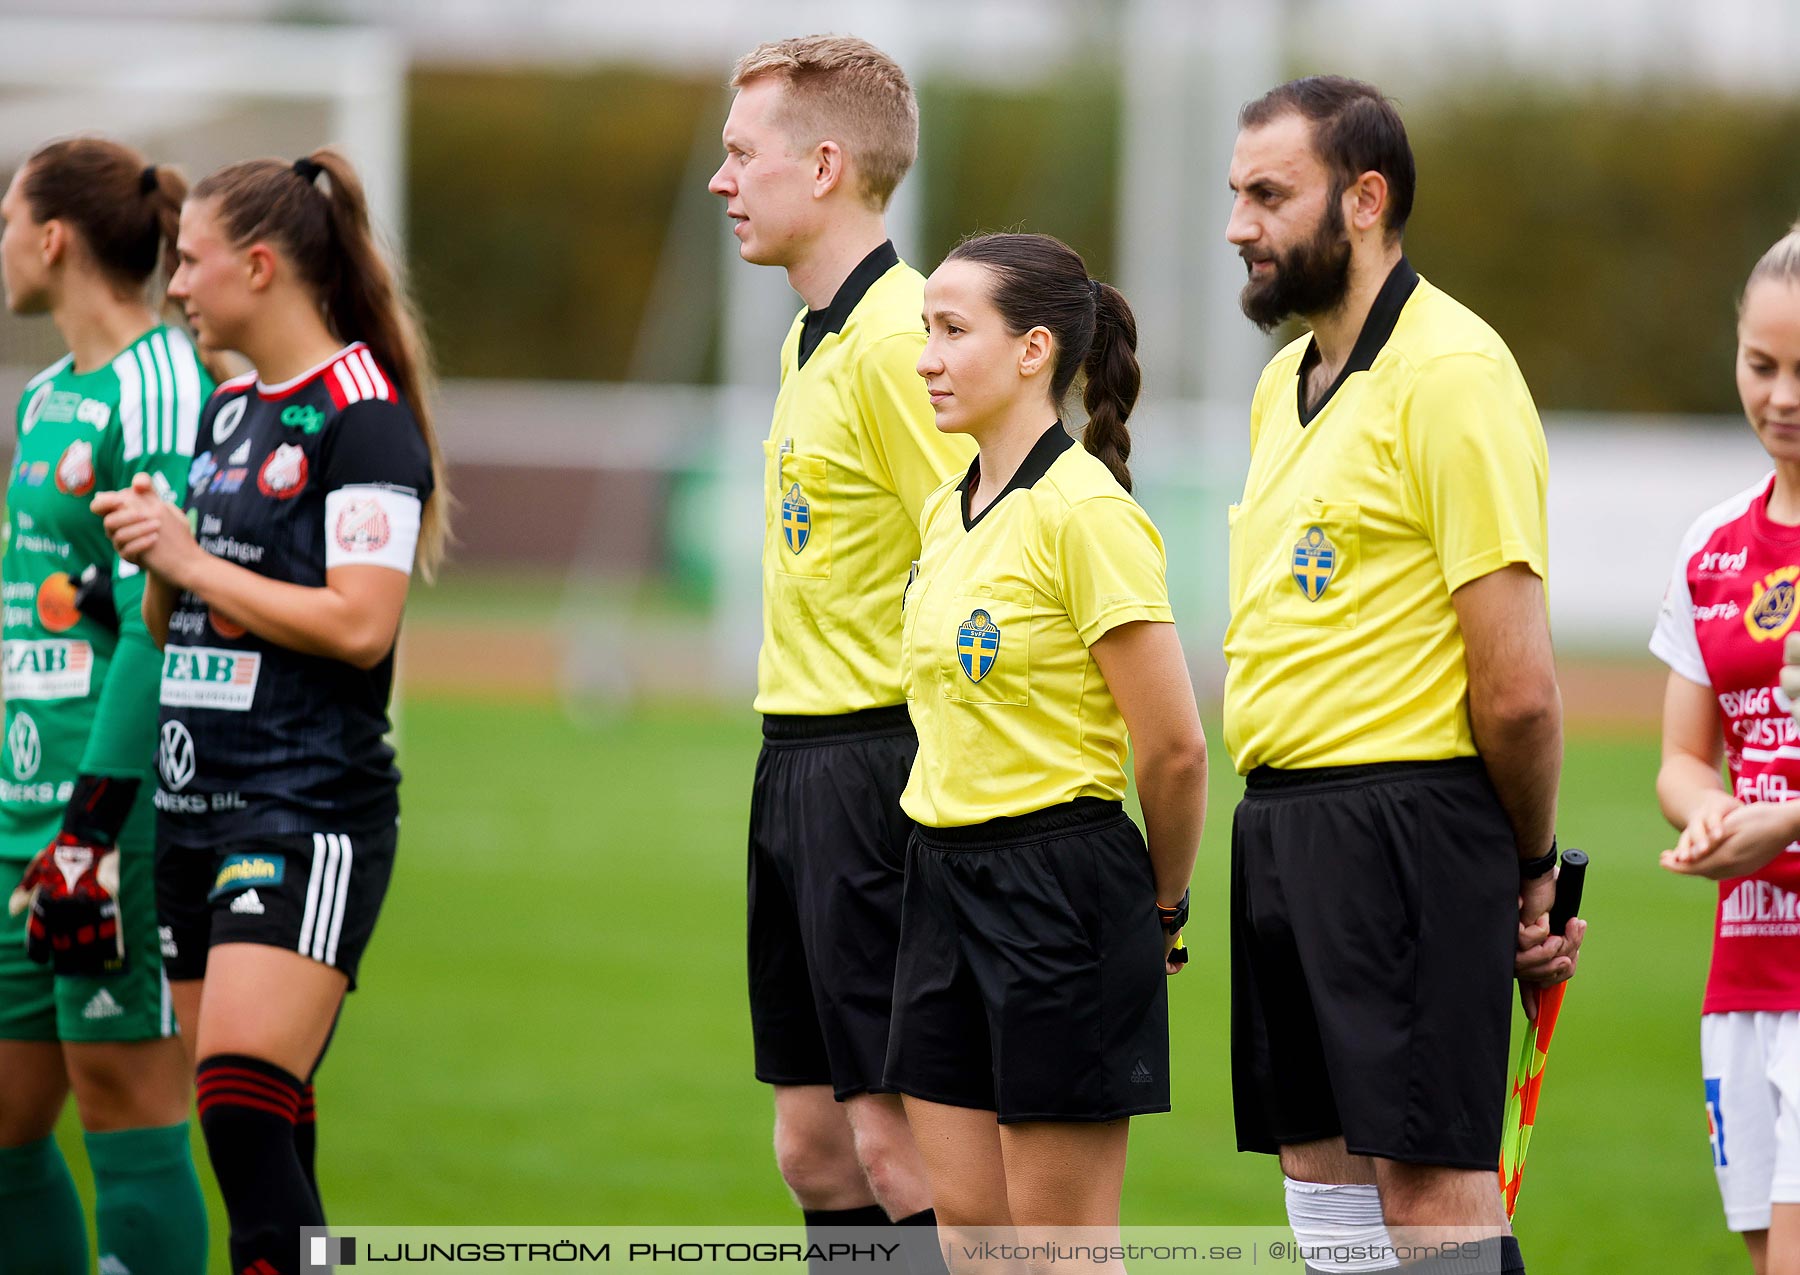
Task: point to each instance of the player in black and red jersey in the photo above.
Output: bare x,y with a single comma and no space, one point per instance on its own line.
316,487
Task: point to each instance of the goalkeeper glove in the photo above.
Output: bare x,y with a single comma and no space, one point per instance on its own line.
71,888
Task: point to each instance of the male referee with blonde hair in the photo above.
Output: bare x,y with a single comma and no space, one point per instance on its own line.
1392,700
822,130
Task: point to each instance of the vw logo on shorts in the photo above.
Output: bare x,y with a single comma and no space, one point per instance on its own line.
22,742
175,756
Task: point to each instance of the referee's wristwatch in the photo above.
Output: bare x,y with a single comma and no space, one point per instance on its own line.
1532,869
1175,918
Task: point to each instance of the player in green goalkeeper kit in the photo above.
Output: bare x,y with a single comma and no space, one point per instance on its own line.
84,1004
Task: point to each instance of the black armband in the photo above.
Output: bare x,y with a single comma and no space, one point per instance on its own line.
99,807
1173,919
94,597
1532,869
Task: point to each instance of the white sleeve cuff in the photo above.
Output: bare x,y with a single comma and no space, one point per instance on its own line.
1679,657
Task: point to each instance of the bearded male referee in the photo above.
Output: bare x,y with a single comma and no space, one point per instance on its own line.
1392,701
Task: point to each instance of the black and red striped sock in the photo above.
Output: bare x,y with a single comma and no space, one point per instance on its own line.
306,1140
249,1111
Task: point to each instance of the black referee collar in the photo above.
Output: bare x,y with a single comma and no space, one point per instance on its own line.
1376,330
1051,444
834,316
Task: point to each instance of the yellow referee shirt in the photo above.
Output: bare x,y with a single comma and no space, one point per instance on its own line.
1012,713
850,459
1422,468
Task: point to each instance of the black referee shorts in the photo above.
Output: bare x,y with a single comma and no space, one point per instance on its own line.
827,856
1030,980
1373,926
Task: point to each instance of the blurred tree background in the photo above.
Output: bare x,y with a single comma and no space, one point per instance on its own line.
1603,233
1606,236
537,211
1044,160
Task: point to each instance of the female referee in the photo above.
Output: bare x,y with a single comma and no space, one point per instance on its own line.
1030,1008
84,1005
316,488
1729,605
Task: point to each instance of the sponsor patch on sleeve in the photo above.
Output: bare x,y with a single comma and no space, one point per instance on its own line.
371,526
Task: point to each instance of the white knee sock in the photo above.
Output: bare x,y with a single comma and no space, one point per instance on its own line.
1341,1225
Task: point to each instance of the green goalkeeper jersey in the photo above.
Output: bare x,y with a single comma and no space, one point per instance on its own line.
80,697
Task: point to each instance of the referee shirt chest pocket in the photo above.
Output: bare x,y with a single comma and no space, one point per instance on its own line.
801,507
1317,582
990,644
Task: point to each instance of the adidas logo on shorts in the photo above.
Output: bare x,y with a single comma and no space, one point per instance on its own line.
1140,1074
102,1006
247,904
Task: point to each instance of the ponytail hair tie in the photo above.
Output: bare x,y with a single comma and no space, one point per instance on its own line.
147,179
308,170
1094,287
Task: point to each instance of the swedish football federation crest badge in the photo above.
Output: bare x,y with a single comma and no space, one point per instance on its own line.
977,645
796,519
1771,611
1315,559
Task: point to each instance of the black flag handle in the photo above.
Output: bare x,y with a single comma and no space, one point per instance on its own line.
1568,890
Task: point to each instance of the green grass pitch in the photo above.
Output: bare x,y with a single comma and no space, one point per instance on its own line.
552,1027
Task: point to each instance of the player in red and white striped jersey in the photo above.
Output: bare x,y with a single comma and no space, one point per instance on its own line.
1733,599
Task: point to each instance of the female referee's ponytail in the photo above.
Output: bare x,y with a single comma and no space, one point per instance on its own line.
126,209
1113,381
314,212
1040,281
